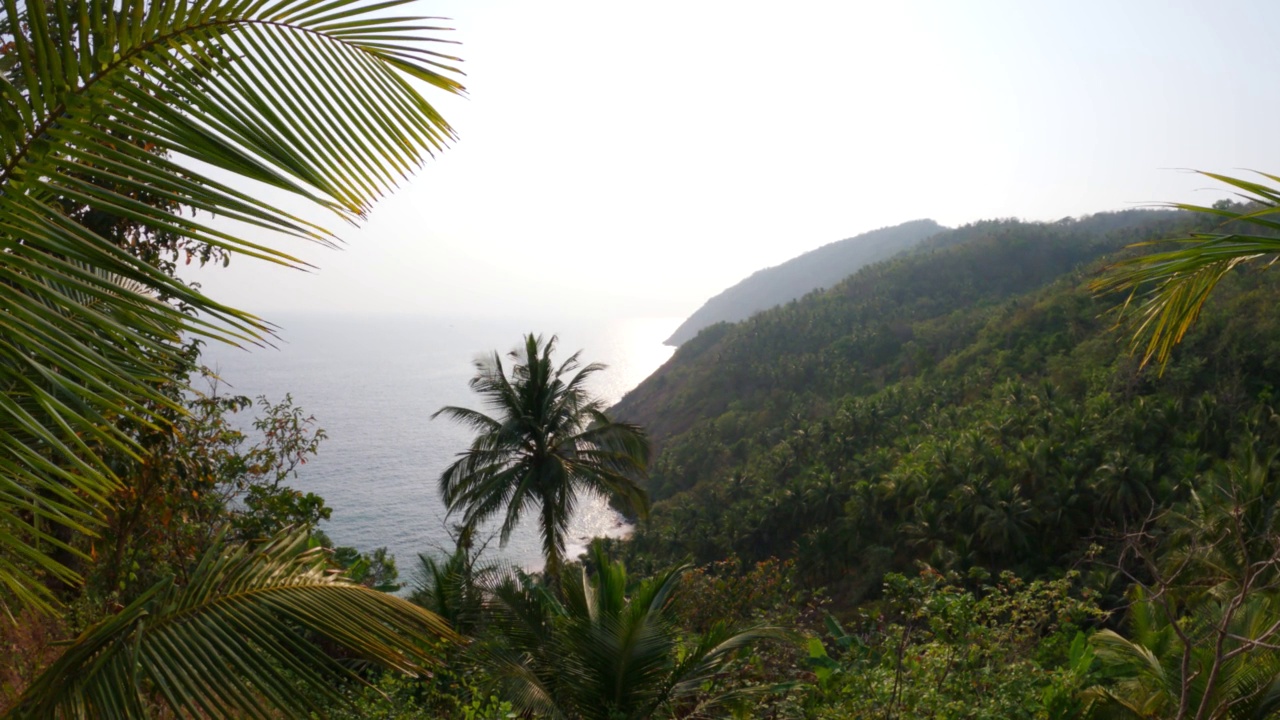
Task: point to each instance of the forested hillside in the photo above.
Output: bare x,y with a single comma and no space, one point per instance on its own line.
942,487
969,404
816,269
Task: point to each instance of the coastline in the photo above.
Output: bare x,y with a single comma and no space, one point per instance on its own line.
372,385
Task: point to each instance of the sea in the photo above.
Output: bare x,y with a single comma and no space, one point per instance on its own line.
372,384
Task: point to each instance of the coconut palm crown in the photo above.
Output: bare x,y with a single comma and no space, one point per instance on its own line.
611,649
546,443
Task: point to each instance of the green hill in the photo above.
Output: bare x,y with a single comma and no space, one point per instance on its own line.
816,269
969,403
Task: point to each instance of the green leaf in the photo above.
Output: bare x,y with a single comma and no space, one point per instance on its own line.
237,639
95,117
1167,290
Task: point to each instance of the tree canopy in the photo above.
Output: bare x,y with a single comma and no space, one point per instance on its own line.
547,443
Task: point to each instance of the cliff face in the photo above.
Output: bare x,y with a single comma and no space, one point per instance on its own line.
799,276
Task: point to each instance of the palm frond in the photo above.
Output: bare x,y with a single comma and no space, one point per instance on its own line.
477,421
608,648
1167,290
1171,287
105,105
236,641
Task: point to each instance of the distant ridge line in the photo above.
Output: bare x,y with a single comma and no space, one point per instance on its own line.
797,277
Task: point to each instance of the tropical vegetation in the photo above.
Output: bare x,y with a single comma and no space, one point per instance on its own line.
550,443
1203,615
610,648
795,278
943,487
236,637
100,99
122,124
1170,287
970,408
954,647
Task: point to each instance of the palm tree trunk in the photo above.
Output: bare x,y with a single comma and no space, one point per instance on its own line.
551,546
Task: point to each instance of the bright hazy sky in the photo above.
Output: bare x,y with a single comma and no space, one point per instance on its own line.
634,159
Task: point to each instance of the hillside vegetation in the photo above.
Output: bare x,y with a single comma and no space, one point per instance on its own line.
813,270
969,404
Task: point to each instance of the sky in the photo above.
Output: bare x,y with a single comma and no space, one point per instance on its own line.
626,159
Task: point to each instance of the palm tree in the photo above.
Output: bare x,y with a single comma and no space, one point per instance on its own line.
130,109
1170,287
549,442
452,587
608,651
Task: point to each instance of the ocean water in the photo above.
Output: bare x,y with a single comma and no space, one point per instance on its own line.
373,384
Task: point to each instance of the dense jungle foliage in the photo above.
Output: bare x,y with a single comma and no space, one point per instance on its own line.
967,405
943,488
